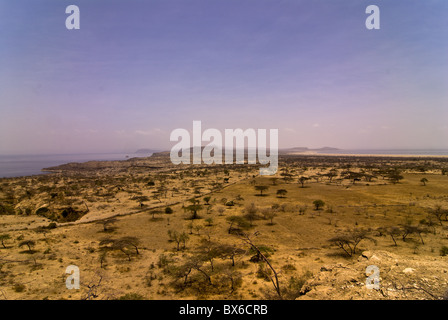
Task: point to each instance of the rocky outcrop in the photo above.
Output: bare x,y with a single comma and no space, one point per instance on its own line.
409,277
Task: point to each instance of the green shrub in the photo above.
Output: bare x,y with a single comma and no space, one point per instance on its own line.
6,209
318,204
18,287
132,296
52,225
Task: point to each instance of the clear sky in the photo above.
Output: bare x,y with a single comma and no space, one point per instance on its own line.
136,70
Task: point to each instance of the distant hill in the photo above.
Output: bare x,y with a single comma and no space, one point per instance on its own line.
326,149
295,150
146,151
306,150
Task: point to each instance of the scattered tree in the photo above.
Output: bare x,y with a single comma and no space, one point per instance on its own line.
237,224
302,181
194,208
207,199
107,224
274,280
29,243
281,193
318,204
261,189
349,242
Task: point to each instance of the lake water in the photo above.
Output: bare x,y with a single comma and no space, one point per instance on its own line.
26,165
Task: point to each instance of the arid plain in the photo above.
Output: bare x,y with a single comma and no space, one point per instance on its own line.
146,229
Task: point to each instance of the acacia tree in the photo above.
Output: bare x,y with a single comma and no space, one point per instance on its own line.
207,200
281,193
240,222
349,242
302,210
209,251
123,244
194,208
251,213
107,224
154,212
29,244
262,256
438,213
230,252
318,204
393,232
351,175
193,263
178,238
395,176
234,277
132,242
261,189
209,222
302,181
424,181
333,173
409,229
93,287
269,214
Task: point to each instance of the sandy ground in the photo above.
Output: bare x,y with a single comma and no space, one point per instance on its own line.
309,266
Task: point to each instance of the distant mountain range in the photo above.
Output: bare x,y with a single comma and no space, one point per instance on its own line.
305,149
280,151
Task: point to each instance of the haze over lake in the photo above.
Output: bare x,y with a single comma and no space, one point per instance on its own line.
24,165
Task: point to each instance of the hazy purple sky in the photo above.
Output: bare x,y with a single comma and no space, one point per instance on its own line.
136,70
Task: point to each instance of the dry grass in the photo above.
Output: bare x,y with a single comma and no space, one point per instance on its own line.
299,242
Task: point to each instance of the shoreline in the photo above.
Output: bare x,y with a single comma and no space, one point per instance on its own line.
54,170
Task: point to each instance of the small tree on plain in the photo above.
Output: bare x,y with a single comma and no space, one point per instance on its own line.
251,213
281,193
270,214
349,242
237,221
318,204
107,224
393,232
302,181
209,222
154,212
194,208
29,243
274,280
438,213
261,189
207,200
